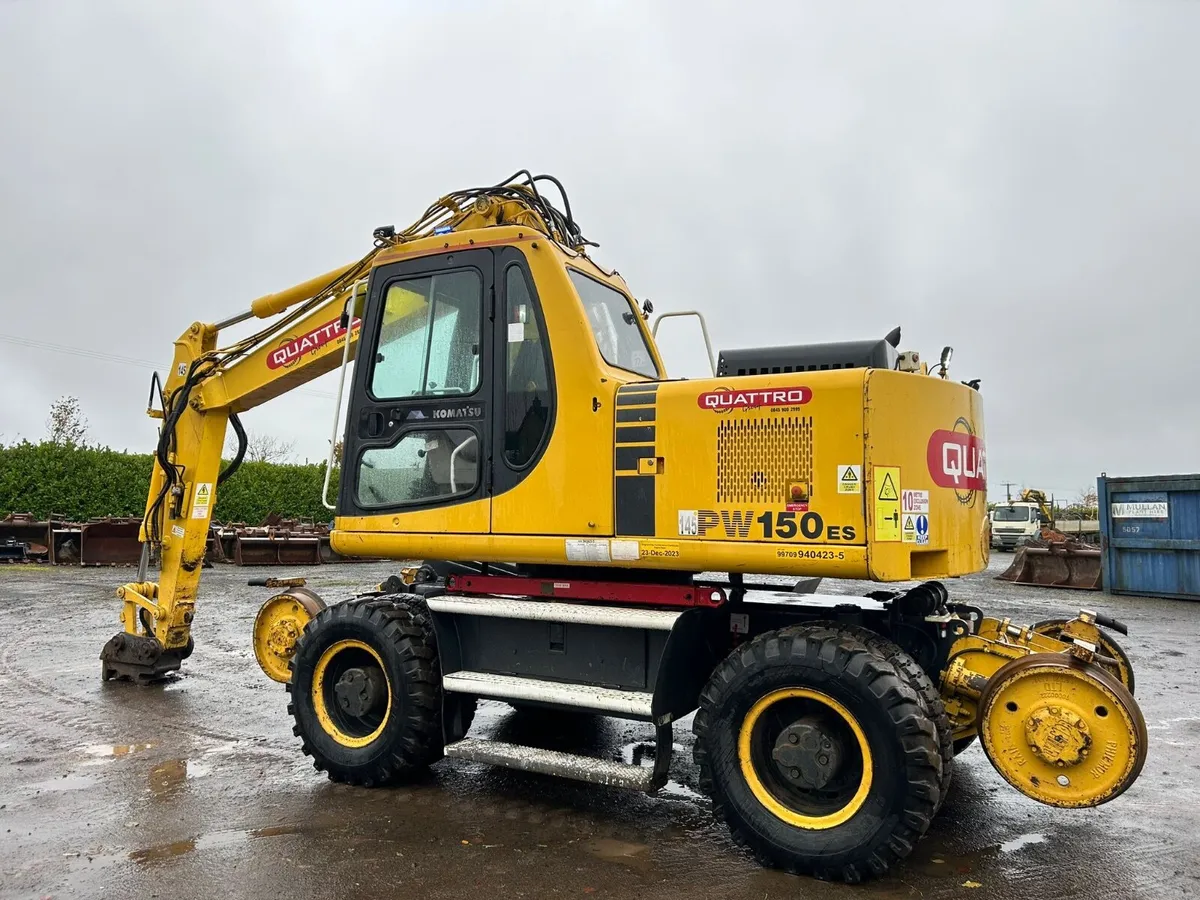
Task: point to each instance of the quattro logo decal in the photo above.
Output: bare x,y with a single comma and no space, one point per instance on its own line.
291,349
957,460
724,400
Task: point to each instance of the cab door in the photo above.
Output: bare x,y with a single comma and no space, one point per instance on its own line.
524,398
419,429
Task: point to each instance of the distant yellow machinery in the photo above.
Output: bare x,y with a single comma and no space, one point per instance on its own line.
1045,513
511,423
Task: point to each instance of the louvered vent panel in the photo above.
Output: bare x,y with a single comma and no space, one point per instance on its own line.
757,459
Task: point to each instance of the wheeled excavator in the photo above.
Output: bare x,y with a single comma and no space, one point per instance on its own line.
592,535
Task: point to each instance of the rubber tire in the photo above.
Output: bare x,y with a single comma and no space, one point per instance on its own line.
917,679
904,743
467,704
412,736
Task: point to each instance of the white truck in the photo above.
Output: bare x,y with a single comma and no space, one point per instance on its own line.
1014,522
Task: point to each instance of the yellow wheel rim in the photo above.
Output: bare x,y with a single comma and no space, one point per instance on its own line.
334,724
277,628
1062,732
767,797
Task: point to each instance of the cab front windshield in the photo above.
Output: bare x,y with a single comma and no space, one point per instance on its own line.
1011,514
614,323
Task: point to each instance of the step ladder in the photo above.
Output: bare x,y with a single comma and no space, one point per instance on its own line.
609,701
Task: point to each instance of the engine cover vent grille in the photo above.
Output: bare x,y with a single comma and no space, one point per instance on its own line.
758,459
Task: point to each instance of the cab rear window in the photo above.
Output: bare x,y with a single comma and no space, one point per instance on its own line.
613,318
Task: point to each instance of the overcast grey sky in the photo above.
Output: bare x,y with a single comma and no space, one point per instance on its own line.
1019,180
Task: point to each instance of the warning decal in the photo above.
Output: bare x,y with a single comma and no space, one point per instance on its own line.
849,479
887,490
915,529
202,501
887,503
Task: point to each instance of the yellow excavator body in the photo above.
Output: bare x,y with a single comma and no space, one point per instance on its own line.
511,424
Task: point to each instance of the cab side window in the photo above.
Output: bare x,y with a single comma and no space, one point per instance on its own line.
527,382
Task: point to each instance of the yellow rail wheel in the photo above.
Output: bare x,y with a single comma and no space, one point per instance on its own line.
366,690
277,629
1064,732
817,753
1120,665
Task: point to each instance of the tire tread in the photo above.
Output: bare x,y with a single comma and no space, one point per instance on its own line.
841,650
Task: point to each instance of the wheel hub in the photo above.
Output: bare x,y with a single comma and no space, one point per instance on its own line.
359,691
282,638
278,627
1058,735
807,754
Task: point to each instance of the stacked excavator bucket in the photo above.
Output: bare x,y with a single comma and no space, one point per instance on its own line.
113,541
1053,560
110,542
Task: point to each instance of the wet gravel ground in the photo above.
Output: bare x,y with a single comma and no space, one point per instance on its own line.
197,789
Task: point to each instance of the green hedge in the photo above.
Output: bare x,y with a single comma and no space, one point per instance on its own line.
81,482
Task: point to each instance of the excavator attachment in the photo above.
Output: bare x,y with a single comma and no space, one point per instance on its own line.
1052,705
1055,561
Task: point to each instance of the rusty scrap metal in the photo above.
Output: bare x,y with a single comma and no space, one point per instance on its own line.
110,541
23,538
1053,560
113,541
280,542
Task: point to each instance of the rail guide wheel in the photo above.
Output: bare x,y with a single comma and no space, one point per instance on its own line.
1120,664
1064,732
278,626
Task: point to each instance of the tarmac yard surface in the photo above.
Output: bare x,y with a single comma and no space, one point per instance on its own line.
198,789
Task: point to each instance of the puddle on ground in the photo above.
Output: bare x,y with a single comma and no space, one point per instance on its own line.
929,859
102,753
611,848
274,831
1023,841
169,775
618,851
166,777
641,753
163,851
214,840
66,783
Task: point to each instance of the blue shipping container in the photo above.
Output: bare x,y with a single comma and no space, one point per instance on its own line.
1150,535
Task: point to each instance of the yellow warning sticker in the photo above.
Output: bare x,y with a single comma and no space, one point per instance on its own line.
202,501
887,503
849,479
